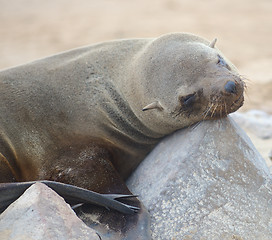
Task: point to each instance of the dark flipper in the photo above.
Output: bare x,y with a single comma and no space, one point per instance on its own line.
9,192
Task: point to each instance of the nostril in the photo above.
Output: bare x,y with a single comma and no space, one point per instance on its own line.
230,87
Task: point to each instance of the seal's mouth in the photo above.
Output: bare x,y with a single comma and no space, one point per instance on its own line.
238,103
221,107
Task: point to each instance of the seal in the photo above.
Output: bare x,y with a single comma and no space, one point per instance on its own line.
89,116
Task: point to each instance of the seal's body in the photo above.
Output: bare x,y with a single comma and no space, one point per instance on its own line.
60,105
89,116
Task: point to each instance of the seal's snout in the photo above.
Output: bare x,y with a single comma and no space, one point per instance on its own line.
230,99
230,87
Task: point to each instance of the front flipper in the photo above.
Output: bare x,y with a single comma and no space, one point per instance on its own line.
127,222
9,192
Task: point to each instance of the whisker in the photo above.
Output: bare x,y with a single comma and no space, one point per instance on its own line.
207,111
221,111
196,125
179,112
236,104
209,107
246,81
214,110
226,108
244,78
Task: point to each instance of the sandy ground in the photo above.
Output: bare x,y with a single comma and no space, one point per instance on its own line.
31,29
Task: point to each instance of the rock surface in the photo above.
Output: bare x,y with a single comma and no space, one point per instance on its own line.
206,182
40,213
258,126
256,121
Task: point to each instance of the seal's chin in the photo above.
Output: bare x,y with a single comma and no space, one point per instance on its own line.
237,104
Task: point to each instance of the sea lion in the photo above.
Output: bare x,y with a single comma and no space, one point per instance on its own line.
89,116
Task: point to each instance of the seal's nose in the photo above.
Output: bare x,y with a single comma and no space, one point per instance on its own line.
230,87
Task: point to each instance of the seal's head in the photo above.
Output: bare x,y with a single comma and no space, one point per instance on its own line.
187,80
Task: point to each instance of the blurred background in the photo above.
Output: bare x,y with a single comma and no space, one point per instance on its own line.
31,29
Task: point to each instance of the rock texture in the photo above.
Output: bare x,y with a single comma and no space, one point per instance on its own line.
256,121
40,213
258,126
206,182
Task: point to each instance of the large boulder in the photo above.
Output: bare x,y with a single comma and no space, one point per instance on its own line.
206,182
40,213
256,121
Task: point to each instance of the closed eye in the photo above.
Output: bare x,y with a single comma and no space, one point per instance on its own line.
188,100
222,62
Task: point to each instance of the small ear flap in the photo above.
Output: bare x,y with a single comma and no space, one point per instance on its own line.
212,44
154,105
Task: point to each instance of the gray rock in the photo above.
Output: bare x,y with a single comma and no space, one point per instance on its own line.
40,213
206,182
270,155
256,121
